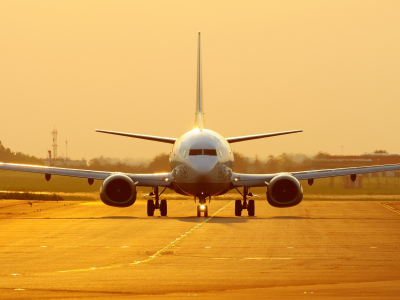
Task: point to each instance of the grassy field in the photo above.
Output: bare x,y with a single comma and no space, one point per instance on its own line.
31,182
29,196
70,188
370,186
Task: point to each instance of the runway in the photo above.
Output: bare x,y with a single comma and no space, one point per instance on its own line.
86,250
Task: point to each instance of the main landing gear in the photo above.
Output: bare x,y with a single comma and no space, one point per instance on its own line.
152,205
244,204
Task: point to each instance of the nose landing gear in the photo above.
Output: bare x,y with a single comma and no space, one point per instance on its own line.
152,205
202,209
244,204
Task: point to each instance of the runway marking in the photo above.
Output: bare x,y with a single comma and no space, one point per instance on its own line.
388,207
155,255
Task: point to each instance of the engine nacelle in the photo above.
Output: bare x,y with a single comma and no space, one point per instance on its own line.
284,190
118,190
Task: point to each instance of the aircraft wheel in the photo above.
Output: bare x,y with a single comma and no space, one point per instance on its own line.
238,208
251,208
198,211
150,208
163,207
206,211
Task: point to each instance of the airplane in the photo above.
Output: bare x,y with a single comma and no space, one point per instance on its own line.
201,163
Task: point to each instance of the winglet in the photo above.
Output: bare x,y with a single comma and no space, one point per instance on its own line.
199,121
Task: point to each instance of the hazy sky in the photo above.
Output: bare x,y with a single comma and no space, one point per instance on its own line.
331,68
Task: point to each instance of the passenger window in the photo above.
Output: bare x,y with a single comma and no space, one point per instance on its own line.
211,152
196,152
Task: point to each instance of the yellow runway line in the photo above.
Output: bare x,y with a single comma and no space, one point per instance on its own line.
388,207
158,253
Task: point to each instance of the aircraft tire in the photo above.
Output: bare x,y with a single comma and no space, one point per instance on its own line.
238,208
198,211
251,208
150,208
206,212
163,207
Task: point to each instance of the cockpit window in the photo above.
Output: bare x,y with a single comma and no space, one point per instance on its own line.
196,152
211,152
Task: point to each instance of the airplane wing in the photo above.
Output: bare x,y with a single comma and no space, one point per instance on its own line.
254,180
141,136
159,179
258,136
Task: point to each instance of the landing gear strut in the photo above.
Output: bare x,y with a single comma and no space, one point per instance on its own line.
152,205
202,208
245,203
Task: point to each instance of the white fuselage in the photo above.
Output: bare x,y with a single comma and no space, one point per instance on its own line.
201,163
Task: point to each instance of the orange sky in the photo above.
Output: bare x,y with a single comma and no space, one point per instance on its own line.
331,68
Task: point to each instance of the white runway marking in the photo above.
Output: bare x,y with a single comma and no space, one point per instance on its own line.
388,207
157,254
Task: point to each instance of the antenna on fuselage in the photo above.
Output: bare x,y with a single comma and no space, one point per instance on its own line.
199,121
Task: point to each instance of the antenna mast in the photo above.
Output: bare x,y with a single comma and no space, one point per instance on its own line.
55,145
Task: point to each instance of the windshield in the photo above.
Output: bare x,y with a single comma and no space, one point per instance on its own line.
209,152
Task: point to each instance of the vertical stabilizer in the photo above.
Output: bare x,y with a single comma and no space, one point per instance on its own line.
199,122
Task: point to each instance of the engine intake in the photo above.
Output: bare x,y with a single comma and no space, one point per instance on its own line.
118,190
284,190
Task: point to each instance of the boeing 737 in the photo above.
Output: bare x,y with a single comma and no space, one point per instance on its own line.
201,163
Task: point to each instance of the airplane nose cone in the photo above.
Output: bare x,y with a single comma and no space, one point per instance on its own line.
203,165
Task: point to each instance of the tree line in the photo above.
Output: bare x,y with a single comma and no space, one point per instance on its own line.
272,164
8,156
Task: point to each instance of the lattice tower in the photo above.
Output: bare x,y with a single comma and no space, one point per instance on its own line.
55,145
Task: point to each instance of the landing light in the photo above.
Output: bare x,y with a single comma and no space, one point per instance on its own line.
202,207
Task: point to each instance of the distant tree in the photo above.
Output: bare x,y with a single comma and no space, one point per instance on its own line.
322,155
272,165
107,164
6,155
159,164
241,163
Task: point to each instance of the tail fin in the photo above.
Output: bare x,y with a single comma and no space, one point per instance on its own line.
199,121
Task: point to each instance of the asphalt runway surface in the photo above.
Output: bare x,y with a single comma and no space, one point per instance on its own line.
87,250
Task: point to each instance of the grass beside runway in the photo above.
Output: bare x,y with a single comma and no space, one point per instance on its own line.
70,188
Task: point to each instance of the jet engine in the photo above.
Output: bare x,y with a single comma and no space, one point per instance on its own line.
118,190
284,190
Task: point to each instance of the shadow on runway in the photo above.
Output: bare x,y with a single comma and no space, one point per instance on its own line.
215,219
119,217
195,219
289,217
